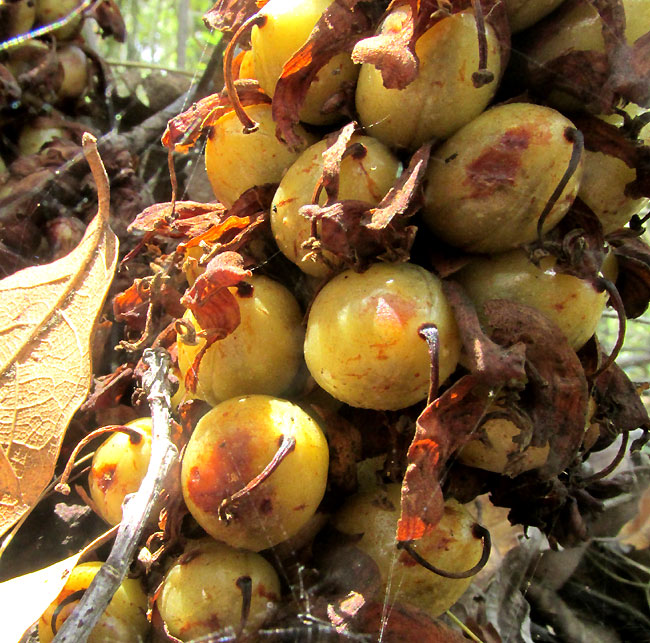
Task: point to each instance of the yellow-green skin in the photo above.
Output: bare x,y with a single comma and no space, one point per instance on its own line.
501,454
118,468
489,183
287,28
579,28
236,161
33,137
231,445
442,98
524,13
200,596
450,546
21,18
570,302
363,179
262,355
605,177
75,71
125,618
362,344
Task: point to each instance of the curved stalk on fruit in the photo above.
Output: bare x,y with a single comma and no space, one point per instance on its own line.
617,304
135,434
71,598
249,124
429,333
245,585
482,76
478,531
287,445
612,465
576,137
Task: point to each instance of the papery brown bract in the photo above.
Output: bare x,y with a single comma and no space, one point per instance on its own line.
618,405
188,219
394,53
599,80
339,28
556,394
131,306
358,232
184,130
404,623
633,282
109,18
209,299
107,390
443,427
228,15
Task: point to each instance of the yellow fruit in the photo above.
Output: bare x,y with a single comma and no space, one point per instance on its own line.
442,98
490,182
572,303
262,355
118,468
451,546
125,618
231,445
200,594
368,178
236,161
362,344
287,27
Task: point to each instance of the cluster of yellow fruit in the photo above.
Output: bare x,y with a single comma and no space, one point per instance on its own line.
67,66
255,469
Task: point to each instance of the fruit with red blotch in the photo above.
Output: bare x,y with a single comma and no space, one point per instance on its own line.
452,546
204,590
239,440
236,161
125,618
442,98
118,468
362,343
489,184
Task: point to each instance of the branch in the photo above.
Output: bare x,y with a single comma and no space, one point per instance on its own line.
137,507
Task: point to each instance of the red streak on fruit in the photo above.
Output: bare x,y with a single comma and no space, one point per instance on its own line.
221,472
406,560
265,593
497,166
392,310
105,477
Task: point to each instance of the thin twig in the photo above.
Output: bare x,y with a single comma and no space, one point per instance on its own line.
137,508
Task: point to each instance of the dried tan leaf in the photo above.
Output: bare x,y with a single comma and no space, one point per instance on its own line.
30,595
47,319
636,532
